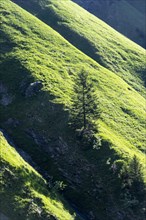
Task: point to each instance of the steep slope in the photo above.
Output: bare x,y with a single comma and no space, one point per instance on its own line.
126,16
139,5
94,38
38,69
23,192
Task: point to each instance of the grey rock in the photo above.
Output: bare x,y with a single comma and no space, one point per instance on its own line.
33,88
12,122
39,139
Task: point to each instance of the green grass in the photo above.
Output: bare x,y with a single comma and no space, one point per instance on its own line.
126,16
30,51
94,37
42,54
23,191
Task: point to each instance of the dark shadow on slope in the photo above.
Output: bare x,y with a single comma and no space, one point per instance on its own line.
143,73
14,75
6,45
43,133
40,123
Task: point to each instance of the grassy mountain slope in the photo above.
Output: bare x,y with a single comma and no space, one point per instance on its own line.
94,38
126,16
23,192
40,53
31,51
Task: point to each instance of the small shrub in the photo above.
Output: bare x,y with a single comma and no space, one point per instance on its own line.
132,184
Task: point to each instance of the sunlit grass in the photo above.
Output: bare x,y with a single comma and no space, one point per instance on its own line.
20,179
94,37
44,55
35,51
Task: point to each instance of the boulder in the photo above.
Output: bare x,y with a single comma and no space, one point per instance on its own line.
33,88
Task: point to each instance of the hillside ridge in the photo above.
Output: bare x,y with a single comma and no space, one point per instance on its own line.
126,16
115,52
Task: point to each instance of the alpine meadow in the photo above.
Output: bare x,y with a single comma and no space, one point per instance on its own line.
72,115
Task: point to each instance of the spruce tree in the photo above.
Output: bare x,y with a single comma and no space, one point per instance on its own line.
85,110
133,186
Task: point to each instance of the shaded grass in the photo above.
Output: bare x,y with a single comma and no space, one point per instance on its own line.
23,191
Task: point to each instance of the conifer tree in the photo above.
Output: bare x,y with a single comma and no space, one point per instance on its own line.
85,110
133,185
85,104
